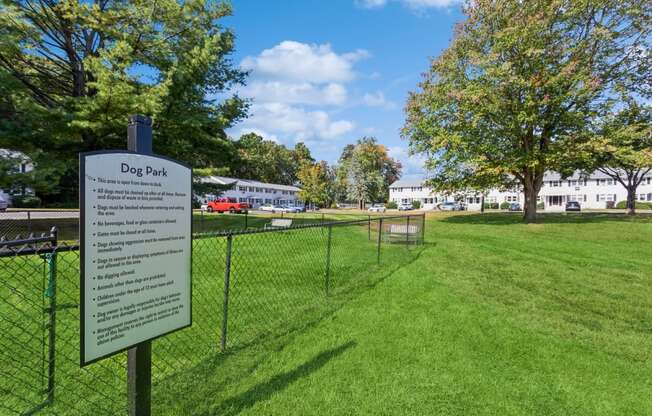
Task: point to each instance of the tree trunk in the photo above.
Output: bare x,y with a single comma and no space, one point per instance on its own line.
531,185
631,200
482,204
530,208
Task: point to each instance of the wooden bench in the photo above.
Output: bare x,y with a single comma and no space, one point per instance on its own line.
279,223
402,232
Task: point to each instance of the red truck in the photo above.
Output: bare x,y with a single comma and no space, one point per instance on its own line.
227,204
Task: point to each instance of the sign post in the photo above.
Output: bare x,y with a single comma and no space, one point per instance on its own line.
139,358
135,221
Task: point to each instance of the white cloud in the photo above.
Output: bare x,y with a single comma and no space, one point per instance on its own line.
370,4
296,92
296,61
295,123
378,99
412,4
412,164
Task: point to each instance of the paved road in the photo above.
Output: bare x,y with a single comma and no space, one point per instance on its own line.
22,215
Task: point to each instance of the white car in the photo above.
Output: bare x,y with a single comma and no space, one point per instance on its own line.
286,208
3,204
376,208
405,207
451,206
271,208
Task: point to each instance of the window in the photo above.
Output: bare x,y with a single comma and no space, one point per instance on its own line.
605,197
242,188
555,183
268,201
642,197
267,190
252,189
242,199
511,198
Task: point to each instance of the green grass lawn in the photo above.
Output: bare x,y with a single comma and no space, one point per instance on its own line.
489,317
493,317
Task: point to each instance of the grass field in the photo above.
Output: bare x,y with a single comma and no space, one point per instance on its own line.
278,279
489,317
493,318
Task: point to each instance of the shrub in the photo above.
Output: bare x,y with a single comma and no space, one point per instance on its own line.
637,205
505,205
416,204
491,205
391,205
541,205
26,201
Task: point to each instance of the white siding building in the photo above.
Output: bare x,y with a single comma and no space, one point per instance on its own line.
595,191
23,165
256,193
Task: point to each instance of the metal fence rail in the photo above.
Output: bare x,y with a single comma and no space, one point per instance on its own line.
247,285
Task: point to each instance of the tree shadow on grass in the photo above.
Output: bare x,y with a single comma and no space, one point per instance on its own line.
263,391
547,218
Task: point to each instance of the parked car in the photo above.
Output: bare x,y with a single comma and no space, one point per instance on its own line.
287,208
3,204
515,206
451,206
405,206
227,205
573,206
376,208
271,208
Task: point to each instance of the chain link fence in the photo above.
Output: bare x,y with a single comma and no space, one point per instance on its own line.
247,285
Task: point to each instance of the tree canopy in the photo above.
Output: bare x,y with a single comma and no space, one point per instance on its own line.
268,161
513,93
72,71
365,171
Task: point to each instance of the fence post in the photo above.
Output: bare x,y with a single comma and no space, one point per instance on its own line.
380,234
201,211
51,259
227,286
407,232
369,227
423,229
29,223
328,257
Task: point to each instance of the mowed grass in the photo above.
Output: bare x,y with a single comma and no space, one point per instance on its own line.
278,279
492,317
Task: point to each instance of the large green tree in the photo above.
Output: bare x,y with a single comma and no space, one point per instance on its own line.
72,71
365,171
317,184
267,161
520,82
621,146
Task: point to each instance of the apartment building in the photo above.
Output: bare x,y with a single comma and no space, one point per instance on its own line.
256,193
594,191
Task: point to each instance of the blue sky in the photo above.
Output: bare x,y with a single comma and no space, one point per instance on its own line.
327,72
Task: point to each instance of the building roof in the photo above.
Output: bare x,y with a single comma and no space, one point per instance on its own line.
548,176
223,180
407,183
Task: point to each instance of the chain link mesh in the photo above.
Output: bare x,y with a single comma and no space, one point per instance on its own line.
247,285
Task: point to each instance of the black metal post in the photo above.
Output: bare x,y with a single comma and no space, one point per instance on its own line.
328,257
407,232
369,227
227,286
423,229
139,358
201,212
380,234
51,258
29,223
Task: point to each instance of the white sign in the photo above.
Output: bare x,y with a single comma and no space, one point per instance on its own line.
135,250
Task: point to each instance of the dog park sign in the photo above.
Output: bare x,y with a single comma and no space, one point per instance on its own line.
136,250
